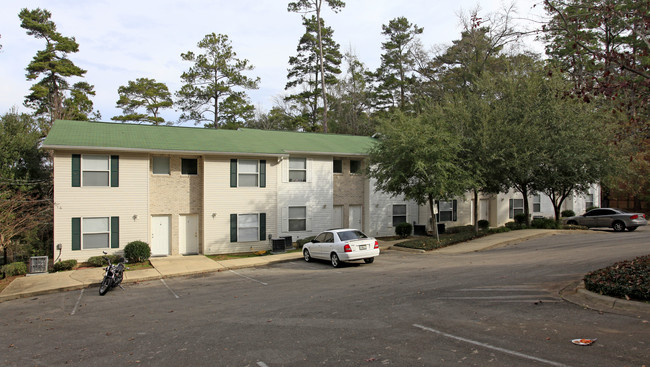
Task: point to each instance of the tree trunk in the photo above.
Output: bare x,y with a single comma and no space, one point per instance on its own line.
434,222
322,68
475,211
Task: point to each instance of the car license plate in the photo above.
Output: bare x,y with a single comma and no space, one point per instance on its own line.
363,247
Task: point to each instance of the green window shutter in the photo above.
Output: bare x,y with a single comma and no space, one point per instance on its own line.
455,211
233,173
76,234
76,170
115,171
262,173
115,232
233,227
262,226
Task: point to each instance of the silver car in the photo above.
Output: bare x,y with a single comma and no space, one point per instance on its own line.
617,219
338,245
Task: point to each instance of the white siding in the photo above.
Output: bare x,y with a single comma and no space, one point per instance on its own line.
129,202
221,200
316,194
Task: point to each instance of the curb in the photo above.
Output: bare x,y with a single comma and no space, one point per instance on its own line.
577,294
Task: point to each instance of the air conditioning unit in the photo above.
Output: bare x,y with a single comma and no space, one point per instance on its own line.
277,245
38,264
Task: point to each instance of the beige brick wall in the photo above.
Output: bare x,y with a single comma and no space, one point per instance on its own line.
176,194
349,189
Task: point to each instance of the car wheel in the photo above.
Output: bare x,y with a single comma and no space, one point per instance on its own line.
369,260
572,223
335,260
306,255
618,226
631,229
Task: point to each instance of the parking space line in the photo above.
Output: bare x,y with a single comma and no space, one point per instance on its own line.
249,278
488,346
76,305
174,293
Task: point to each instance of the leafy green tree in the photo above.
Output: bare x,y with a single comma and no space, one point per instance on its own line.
316,6
22,163
306,70
351,102
604,45
396,77
145,94
25,184
454,82
52,97
211,91
575,150
419,157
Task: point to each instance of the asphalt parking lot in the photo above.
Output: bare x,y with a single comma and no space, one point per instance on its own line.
498,307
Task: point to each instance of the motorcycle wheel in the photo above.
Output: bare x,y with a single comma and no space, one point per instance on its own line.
103,288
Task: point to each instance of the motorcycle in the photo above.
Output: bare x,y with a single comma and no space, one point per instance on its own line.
113,275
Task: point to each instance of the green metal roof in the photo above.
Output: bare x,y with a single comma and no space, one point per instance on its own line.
66,134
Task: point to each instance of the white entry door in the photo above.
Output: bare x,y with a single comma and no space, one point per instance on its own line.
188,234
337,219
355,217
160,235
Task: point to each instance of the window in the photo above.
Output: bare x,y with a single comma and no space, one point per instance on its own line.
248,173
516,207
399,214
189,166
355,166
248,227
95,232
589,201
338,166
95,170
447,211
297,218
537,203
160,165
297,169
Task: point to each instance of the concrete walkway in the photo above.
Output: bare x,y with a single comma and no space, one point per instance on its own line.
176,266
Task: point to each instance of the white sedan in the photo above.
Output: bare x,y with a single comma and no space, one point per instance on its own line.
338,245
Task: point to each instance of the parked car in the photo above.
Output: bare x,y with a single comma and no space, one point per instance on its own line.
617,219
339,245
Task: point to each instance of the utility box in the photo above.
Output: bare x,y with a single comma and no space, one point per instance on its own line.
277,245
288,242
38,264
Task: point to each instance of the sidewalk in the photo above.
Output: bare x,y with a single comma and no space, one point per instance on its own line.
176,266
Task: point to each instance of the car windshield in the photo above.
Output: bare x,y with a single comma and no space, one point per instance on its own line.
351,235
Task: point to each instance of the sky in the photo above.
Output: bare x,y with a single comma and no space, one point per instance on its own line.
120,41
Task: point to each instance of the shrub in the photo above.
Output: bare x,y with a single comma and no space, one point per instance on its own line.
499,230
100,262
404,229
625,279
544,223
64,265
137,251
568,213
301,242
513,226
460,229
520,218
17,268
483,224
